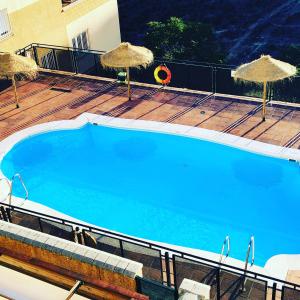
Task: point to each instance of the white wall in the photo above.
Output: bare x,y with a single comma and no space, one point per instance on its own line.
102,25
13,5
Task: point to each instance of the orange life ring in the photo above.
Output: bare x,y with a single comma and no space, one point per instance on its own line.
168,73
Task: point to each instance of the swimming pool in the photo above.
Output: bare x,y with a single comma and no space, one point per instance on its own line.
163,187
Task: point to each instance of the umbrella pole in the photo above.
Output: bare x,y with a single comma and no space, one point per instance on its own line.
128,82
15,91
264,101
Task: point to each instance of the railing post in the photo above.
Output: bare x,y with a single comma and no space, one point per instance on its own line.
40,224
121,248
218,284
8,215
161,266
167,262
55,59
212,79
96,64
75,65
138,284
175,275
270,91
215,80
4,215
274,291
83,237
35,55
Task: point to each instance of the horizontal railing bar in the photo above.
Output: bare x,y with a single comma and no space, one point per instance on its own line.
205,64
202,62
90,51
64,48
158,60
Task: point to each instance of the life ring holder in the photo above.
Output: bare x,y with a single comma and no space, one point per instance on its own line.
162,68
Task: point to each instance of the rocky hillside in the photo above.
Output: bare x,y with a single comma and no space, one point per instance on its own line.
245,28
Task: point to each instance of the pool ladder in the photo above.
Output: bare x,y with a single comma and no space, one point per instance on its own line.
11,186
251,246
226,242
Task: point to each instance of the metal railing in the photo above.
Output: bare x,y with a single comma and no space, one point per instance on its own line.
163,265
215,78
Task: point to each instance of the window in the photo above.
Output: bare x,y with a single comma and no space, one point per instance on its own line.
5,29
81,41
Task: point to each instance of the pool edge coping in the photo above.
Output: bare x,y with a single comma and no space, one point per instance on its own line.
277,263
154,126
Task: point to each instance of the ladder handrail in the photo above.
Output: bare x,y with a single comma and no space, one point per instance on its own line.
251,245
226,241
22,183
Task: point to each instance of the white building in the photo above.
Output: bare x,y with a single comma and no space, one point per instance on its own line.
87,24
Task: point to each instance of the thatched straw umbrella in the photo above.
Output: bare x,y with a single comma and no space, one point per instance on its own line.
12,65
127,56
263,70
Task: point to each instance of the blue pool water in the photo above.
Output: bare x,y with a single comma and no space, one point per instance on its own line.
166,188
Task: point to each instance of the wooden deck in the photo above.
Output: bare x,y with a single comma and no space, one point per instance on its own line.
54,96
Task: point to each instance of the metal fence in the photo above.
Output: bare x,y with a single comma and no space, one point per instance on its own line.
185,74
163,268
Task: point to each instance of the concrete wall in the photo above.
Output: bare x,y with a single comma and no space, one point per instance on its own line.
102,25
44,21
114,276
36,23
13,5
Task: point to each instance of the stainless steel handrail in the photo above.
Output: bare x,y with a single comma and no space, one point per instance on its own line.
226,242
251,246
12,184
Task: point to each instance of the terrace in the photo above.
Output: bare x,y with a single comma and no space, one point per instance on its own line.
53,96
64,93
65,89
